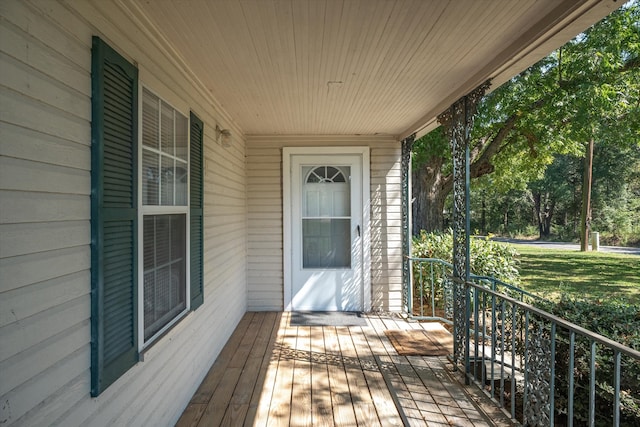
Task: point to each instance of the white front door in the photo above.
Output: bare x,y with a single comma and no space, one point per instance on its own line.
325,227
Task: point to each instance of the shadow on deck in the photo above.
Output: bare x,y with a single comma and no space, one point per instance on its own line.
273,373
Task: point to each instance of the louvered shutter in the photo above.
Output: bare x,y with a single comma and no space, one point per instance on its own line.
114,101
195,209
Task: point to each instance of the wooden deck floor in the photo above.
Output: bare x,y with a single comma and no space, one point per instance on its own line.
271,373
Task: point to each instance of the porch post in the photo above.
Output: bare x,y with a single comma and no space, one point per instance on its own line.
458,122
407,145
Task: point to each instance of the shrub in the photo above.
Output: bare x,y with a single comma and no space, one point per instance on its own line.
488,258
615,320
432,289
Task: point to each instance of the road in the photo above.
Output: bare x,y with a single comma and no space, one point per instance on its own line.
568,246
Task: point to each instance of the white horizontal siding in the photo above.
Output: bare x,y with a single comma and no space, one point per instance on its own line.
45,184
265,246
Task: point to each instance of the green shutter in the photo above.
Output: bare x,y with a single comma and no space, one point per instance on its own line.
114,134
195,209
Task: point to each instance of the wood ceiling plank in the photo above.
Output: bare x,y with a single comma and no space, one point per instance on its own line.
274,65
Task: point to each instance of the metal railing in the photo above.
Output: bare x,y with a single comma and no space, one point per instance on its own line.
540,368
535,365
431,290
431,293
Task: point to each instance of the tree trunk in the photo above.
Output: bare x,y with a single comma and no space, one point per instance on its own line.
483,218
585,217
544,207
430,189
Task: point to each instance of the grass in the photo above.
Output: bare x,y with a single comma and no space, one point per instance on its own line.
552,273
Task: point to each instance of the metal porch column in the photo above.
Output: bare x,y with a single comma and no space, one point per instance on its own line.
407,145
458,122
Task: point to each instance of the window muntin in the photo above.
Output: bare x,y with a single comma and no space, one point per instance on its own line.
165,150
163,213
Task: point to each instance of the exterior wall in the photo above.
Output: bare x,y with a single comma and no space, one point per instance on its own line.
264,172
45,184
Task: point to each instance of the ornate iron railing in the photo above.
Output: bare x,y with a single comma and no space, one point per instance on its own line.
535,365
540,368
431,292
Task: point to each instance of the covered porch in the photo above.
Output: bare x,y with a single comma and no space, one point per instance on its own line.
260,78
273,372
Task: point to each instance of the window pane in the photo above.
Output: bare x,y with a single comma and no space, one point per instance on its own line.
326,243
167,182
182,133
150,177
181,175
149,237
167,129
164,270
150,119
322,196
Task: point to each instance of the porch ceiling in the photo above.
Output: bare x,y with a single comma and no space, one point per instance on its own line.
358,66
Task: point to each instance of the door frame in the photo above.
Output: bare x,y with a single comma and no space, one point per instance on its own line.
287,203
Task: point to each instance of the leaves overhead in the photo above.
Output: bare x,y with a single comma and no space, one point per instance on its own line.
590,88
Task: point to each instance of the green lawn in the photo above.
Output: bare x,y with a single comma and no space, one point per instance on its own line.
594,275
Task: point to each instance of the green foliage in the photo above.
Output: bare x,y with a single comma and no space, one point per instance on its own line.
488,258
589,89
432,146
615,320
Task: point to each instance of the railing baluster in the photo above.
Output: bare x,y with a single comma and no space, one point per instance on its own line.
433,292
572,348
526,365
592,385
502,332
483,374
493,342
421,283
476,335
552,380
409,301
616,389
514,313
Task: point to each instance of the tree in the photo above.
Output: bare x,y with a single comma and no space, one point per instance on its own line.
589,89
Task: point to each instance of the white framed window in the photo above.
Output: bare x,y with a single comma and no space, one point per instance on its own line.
164,216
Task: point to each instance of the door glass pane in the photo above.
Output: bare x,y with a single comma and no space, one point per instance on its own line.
326,222
326,243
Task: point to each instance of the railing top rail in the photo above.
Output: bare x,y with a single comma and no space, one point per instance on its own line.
436,260
559,321
515,288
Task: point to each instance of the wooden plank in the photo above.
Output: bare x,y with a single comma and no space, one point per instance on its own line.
261,398
191,415
383,401
387,355
279,412
250,379
363,405
221,400
321,408
343,413
301,391
213,377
